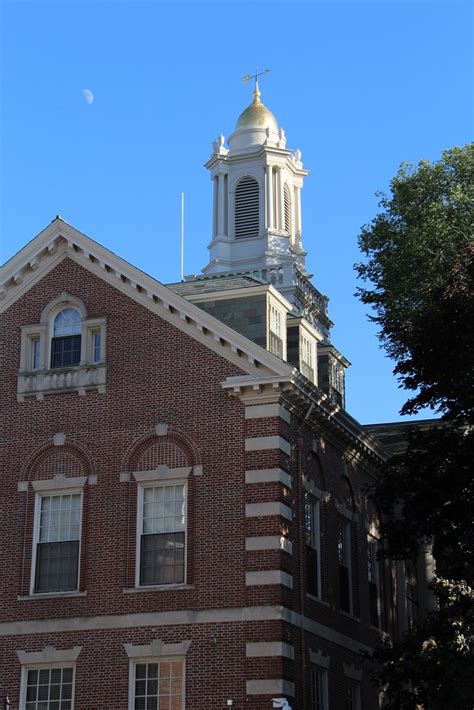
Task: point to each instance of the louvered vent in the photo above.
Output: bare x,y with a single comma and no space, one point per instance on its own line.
287,205
246,208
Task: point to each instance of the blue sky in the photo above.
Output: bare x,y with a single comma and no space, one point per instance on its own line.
359,87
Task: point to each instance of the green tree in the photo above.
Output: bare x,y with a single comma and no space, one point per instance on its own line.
418,272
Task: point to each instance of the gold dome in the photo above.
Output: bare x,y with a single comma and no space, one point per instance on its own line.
257,115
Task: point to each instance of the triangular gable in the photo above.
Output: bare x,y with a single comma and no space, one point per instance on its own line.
60,240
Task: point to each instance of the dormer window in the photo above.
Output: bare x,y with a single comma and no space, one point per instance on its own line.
66,340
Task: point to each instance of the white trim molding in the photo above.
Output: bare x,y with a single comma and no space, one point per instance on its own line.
267,649
273,686
49,654
352,672
162,473
182,617
262,411
59,482
270,542
268,475
274,576
309,486
258,510
266,443
318,658
156,649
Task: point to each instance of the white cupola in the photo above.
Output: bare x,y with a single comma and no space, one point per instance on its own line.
257,185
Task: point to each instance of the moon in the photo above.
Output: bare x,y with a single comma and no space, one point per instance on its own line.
88,95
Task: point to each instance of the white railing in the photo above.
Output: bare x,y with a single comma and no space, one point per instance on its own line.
80,378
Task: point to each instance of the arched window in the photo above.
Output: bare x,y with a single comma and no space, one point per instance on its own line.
66,340
247,210
287,208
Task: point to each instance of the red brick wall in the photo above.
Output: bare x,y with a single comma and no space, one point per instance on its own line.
156,373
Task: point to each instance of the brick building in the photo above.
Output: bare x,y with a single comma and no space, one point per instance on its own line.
185,520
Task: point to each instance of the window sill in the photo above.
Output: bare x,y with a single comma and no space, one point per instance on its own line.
51,595
157,588
69,379
317,599
349,616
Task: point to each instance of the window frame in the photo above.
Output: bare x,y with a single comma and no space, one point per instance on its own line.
39,494
138,660
344,520
375,564
313,539
325,686
353,685
276,315
50,665
44,332
159,483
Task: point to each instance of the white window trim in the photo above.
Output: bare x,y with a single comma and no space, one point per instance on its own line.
156,652
272,302
44,331
348,546
36,525
323,669
145,480
316,539
46,659
354,683
371,539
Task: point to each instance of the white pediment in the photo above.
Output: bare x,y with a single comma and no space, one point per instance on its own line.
60,240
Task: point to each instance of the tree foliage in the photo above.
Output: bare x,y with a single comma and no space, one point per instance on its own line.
432,666
420,266
418,272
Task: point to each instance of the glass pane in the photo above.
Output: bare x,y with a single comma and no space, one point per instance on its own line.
57,566
140,670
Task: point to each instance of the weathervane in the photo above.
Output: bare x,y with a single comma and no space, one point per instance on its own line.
255,76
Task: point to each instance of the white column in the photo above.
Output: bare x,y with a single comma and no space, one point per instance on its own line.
269,196
298,216
221,207
280,202
214,207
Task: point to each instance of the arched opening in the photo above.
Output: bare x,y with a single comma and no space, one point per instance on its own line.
66,341
247,208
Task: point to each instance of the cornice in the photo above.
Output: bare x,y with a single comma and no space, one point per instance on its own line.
60,240
311,405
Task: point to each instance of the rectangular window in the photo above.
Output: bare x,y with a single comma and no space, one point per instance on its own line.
275,332
319,688
66,351
411,593
57,535
49,689
373,574
313,545
307,358
159,686
344,557
35,353
353,701
162,534
96,349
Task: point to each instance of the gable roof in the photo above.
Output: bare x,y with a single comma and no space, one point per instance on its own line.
262,370
60,240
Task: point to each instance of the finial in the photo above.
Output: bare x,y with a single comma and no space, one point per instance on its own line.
247,77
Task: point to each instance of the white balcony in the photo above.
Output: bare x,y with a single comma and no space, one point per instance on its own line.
78,379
